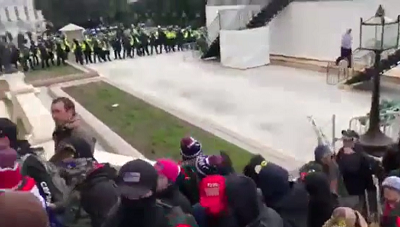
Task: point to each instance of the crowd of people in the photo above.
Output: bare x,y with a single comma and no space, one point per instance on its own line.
99,45
345,188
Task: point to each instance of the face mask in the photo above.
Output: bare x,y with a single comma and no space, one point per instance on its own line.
138,203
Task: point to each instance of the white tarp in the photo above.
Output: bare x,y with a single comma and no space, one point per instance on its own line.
245,49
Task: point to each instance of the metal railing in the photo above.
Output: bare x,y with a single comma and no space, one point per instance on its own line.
390,127
337,73
361,59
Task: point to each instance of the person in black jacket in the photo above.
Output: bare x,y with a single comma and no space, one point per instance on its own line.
44,55
289,201
167,191
137,184
116,45
357,176
246,205
322,201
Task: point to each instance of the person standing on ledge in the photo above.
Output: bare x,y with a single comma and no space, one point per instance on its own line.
345,48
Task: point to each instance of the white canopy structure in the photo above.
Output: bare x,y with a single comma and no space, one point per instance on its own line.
71,27
72,31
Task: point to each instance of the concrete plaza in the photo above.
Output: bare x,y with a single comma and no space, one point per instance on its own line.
268,104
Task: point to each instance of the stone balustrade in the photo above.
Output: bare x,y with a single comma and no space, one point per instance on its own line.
29,109
37,120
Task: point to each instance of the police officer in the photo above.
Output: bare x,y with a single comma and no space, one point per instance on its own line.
50,48
106,49
34,53
87,51
61,54
25,59
77,49
179,39
97,51
44,55
116,45
144,43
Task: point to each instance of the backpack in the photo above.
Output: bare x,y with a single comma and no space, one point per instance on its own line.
175,215
212,191
47,176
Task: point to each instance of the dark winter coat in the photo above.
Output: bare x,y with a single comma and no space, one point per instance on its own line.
246,206
172,196
322,202
98,194
290,202
356,170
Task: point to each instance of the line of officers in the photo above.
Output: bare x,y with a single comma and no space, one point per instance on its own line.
43,54
98,46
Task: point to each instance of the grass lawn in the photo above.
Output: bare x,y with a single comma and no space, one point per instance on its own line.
150,130
53,71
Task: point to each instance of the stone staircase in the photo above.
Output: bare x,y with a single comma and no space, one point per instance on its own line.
262,18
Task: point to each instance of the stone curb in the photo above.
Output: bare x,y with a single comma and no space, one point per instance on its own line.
82,68
273,155
61,79
110,140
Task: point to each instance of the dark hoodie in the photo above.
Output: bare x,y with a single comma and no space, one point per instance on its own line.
322,202
291,203
249,169
172,196
246,205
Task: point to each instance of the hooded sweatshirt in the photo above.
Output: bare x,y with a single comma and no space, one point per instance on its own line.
291,203
249,169
246,206
321,202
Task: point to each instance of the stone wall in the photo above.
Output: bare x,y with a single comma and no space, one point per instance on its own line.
20,16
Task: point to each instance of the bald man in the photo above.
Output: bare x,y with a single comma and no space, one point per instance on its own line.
21,209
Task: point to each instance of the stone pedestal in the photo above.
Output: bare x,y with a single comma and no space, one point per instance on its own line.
29,109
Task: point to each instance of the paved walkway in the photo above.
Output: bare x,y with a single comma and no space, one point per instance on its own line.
268,104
